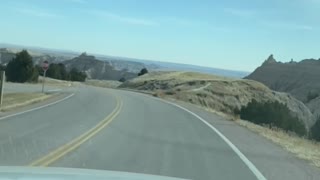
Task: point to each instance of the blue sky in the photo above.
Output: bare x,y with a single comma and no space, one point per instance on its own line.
226,34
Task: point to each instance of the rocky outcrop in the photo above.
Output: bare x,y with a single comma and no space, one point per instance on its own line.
297,78
270,60
97,69
300,79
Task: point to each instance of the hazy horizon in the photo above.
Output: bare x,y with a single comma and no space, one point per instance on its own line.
119,56
220,34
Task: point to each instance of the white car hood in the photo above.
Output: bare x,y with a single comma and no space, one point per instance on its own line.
49,173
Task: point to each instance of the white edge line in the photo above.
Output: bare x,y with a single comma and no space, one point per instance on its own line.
250,165
16,114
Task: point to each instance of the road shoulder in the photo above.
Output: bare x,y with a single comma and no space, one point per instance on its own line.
34,104
271,159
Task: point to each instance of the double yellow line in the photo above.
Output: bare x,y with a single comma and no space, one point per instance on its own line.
65,149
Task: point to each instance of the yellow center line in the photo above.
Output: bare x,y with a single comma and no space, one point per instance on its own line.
75,143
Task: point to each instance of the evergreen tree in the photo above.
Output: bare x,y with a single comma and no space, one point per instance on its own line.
20,69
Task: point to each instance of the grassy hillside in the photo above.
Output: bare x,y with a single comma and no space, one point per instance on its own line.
218,93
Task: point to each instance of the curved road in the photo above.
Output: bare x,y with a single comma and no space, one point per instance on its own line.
117,130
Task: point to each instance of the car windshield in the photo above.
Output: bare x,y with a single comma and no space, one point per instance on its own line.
147,89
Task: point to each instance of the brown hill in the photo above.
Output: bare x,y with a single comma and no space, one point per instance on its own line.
214,92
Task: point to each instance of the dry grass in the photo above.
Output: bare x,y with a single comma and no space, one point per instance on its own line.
219,113
57,82
14,100
179,76
103,83
215,92
301,147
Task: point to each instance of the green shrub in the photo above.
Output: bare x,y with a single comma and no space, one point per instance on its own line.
315,130
273,114
2,67
312,95
191,83
203,95
76,75
236,111
170,92
143,71
35,75
122,79
57,71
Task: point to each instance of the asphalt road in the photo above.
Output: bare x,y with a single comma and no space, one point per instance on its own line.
141,134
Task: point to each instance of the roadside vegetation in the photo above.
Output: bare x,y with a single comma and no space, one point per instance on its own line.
122,79
277,115
315,130
300,146
312,95
15,100
21,69
76,75
59,71
274,114
143,71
